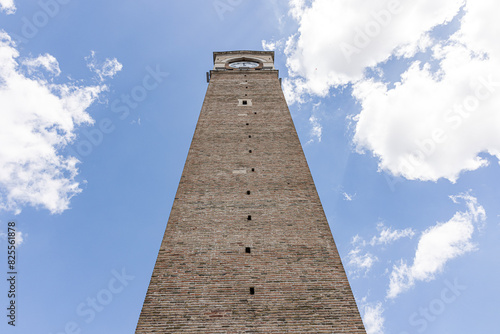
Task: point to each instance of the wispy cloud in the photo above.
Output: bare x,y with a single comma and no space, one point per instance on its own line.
47,61
348,197
438,245
316,128
388,235
104,70
360,262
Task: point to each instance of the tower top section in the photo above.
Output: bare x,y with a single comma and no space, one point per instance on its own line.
244,60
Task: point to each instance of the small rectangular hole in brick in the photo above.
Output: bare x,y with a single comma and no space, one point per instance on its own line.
248,250
253,169
249,217
249,136
249,151
248,192
252,291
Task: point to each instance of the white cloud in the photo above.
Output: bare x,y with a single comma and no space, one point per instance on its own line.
37,120
388,235
433,125
438,119
452,116
373,318
7,6
107,69
438,245
338,40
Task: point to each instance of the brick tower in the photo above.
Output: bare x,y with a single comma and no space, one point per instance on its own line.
247,248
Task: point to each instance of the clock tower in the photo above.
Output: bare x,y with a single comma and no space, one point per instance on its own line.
247,247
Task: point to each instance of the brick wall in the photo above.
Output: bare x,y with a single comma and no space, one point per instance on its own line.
202,278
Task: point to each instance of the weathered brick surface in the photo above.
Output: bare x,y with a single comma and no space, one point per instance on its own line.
202,277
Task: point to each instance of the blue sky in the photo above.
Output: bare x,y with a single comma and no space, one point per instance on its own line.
395,103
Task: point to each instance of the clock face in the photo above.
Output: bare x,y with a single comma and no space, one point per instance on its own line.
239,64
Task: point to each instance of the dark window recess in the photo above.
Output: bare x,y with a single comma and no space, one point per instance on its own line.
248,250
249,136
249,217
253,169
248,192
252,291
244,102
249,151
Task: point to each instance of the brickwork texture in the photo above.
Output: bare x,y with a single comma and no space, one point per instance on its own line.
247,247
